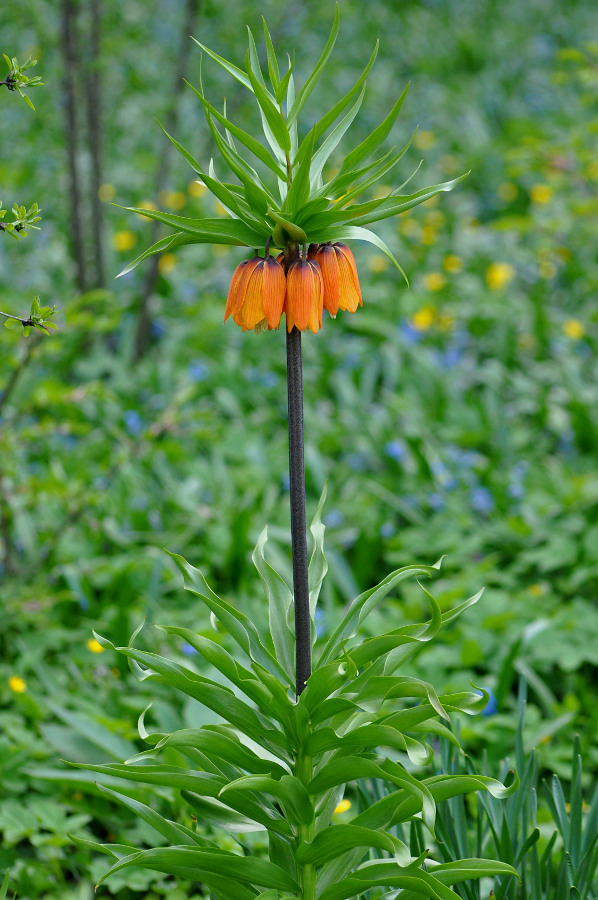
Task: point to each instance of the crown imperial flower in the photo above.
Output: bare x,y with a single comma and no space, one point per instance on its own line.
305,295
256,294
339,273
289,203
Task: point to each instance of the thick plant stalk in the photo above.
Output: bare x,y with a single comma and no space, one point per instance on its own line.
298,518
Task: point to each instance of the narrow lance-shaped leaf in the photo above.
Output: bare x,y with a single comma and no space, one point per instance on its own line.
273,69
311,82
272,115
247,139
378,135
323,152
280,599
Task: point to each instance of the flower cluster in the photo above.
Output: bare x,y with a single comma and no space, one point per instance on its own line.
263,288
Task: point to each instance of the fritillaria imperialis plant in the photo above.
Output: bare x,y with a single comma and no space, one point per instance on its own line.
290,740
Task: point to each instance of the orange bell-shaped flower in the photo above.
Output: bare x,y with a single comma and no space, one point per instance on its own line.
256,294
305,295
339,273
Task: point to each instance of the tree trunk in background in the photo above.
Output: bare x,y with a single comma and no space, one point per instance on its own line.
143,332
94,127
71,79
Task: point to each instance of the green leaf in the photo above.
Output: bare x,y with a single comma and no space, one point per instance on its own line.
364,603
273,69
311,82
4,887
221,816
273,117
340,770
167,243
373,141
463,870
393,205
280,600
208,231
289,790
318,566
247,139
13,324
214,743
337,839
355,233
227,66
283,85
239,626
389,875
366,737
299,189
203,865
174,833
323,152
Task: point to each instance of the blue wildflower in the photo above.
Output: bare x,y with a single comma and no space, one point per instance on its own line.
482,500
198,370
133,421
396,450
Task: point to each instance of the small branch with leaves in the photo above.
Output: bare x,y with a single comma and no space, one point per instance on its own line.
16,80
23,220
38,319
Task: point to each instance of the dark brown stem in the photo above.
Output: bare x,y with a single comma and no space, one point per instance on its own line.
143,334
298,517
94,126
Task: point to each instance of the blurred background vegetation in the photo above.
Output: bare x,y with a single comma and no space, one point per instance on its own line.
456,417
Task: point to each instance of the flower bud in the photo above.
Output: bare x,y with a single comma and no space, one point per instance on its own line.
305,294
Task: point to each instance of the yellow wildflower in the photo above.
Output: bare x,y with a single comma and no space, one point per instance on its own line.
507,191
106,192
172,199
434,281
378,263
498,274
424,140
124,240
342,807
574,329
423,318
541,193
166,263
428,235
196,189
17,684
536,590
452,263
219,209
94,646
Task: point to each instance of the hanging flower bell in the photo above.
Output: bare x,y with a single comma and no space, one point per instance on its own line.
305,295
256,294
339,274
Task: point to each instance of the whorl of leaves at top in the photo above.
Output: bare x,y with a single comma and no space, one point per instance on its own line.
290,201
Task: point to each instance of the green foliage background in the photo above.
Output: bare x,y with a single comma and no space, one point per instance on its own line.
475,436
